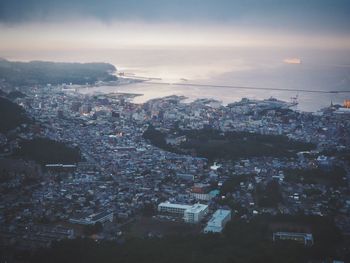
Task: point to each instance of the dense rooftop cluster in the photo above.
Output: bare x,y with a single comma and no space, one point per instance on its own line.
121,173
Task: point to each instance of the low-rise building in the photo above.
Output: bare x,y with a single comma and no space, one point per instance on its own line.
195,213
190,213
304,238
92,219
175,209
218,221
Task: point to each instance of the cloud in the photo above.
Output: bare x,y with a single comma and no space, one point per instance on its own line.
292,61
93,34
307,15
89,24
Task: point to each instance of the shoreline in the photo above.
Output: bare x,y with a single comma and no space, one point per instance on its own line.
143,91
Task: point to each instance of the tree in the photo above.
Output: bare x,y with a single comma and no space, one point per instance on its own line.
270,195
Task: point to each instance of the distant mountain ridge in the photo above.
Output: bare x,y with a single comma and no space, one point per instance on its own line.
44,72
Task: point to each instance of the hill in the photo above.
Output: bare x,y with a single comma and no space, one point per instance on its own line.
44,151
42,73
214,144
11,115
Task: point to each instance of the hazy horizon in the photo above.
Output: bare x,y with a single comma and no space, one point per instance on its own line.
243,43
89,25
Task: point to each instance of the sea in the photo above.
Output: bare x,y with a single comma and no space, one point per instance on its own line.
316,78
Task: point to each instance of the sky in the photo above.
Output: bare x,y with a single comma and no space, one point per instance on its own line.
109,24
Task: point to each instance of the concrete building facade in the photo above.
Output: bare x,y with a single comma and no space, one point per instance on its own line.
190,213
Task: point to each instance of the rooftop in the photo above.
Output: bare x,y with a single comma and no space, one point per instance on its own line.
197,208
219,216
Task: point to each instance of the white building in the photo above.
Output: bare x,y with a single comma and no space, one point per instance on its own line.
92,219
215,166
190,213
218,221
196,213
170,208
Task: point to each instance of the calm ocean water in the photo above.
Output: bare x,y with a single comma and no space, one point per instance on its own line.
325,70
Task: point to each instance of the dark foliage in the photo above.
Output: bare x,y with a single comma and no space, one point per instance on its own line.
148,209
270,195
213,144
334,176
157,138
93,229
3,93
15,94
11,115
46,151
241,242
233,183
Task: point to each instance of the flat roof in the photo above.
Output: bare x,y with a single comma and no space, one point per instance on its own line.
100,215
219,215
197,208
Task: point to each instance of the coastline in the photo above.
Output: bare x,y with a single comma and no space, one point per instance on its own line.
140,92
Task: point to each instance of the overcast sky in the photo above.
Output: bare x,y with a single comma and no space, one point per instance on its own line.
63,24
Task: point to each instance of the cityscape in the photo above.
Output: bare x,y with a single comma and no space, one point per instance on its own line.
90,174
